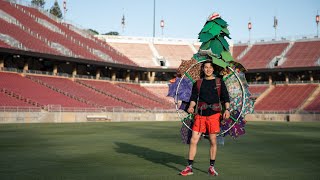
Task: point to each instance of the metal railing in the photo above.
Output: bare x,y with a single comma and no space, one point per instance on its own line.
19,109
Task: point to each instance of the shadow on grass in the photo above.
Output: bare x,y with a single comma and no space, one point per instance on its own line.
154,156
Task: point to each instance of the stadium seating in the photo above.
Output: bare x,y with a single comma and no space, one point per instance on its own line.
35,93
137,89
80,92
260,55
30,42
7,100
140,53
5,45
47,90
84,38
51,36
40,91
237,50
174,53
257,90
314,106
303,54
124,94
73,44
285,98
161,92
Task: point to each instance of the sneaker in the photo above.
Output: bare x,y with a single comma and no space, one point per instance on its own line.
212,171
187,171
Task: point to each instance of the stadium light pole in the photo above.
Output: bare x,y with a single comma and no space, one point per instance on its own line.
65,9
162,26
249,28
275,25
123,23
317,21
154,19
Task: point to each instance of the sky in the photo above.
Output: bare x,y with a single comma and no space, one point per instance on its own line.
185,18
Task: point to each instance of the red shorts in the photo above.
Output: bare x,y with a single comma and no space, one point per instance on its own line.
209,124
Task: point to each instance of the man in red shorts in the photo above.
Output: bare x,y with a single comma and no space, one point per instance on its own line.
207,94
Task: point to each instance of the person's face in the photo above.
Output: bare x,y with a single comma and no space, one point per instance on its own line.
208,69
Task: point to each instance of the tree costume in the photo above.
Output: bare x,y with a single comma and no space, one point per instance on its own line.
215,48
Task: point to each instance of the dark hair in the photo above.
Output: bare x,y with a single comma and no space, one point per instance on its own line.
205,62
215,68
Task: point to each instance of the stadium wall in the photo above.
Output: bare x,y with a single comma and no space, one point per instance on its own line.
284,117
73,117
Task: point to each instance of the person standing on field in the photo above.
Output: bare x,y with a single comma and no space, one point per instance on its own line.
207,95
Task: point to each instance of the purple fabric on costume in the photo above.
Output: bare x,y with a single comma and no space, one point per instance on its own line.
225,125
238,128
185,132
184,105
184,91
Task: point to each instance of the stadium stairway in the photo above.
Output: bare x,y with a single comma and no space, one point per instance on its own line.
264,94
161,92
68,86
108,94
26,37
63,40
285,98
260,55
244,52
314,106
154,52
93,45
303,54
237,50
141,91
257,90
282,58
36,92
63,92
124,94
194,50
17,99
173,53
68,40
140,53
309,100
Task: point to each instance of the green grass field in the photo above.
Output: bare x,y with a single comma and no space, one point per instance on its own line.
153,150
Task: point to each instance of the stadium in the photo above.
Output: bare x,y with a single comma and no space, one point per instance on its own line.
67,97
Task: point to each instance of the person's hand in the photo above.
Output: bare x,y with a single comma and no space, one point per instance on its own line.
191,110
226,114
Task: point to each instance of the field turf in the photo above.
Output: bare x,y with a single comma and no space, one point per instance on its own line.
153,150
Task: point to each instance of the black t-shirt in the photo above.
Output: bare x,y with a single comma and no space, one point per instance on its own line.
209,95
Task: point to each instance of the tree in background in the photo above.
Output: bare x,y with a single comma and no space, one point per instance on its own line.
39,3
55,10
94,31
112,33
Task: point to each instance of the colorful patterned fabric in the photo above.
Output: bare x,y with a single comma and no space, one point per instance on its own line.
185,132
236,101
194,73
235,94
184,91
237,129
